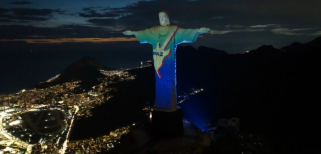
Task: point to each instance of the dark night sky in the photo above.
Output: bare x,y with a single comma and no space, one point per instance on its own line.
48,27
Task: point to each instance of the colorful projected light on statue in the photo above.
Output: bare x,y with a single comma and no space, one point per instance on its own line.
164,38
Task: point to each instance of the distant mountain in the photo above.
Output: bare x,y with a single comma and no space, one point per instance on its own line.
266,49
269,89
293,47
212,51
85,69
266,53
313,45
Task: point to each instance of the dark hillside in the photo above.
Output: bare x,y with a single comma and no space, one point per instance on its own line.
273,92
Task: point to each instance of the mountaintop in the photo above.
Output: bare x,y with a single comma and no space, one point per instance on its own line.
313,45
84,69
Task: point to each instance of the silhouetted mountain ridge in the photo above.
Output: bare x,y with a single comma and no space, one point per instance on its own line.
265,48
316,41
213,50
270,90
313,45
84,69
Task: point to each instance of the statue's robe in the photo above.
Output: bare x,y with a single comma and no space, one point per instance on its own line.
164,56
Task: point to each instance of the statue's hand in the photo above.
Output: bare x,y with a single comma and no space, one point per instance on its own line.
128,32
204,30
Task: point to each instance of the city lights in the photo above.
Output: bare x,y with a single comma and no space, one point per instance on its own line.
63,97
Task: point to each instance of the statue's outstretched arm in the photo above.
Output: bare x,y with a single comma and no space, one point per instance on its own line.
204,30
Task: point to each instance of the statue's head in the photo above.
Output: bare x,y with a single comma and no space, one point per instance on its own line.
163,18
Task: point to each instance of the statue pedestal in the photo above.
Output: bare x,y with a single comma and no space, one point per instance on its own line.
166,123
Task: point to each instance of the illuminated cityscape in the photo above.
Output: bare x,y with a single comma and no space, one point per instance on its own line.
101,144
40,119
226,76
192,91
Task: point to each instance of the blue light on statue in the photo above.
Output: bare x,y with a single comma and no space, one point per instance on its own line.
164,57
164,38
194,113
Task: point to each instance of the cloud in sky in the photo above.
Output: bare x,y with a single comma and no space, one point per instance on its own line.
20,3
64,31
20,15
317,33
274,28
264,26
220,31
218,12
186,13
75,40
237,29
231,19
295,31
33,12
93,12
246,15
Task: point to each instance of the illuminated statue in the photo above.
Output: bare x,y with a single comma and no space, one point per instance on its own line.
165,38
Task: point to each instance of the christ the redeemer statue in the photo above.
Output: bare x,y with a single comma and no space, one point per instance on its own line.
165,38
